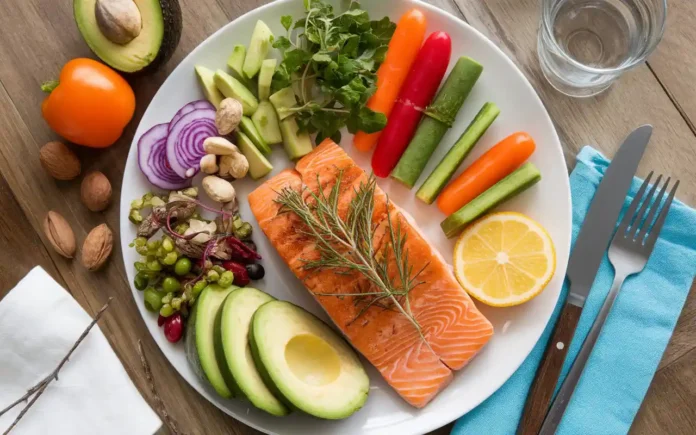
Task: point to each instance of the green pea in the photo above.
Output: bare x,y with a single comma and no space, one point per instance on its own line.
168,245
226,279
213,276
141,280
166,310
198,287
176,303
182,266
170,259
154,266
171,284
153,300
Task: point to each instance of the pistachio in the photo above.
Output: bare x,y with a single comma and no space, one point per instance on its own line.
209,164
95,191
118,20
97,247
235,165
228,116
218,190
219,146
59,161
59,234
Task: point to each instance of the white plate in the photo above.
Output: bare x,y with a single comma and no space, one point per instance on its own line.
516,329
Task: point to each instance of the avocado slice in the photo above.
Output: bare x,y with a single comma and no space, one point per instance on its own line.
248,128
259,166
260,44
149,51
233,88
266,122
296,144
205,319
237,311
308,364
206,78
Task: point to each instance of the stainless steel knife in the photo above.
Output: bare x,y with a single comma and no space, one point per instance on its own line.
592,242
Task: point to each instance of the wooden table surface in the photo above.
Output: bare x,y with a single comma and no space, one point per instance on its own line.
38,36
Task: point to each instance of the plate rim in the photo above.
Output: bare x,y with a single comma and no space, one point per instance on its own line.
441,418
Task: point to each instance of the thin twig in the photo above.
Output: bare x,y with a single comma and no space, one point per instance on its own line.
168,419
41,386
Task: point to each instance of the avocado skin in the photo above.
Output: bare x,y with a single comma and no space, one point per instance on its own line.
173,24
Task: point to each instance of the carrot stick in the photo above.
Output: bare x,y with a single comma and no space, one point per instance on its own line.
403,48
493,166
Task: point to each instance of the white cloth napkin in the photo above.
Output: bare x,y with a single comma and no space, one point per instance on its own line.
39,323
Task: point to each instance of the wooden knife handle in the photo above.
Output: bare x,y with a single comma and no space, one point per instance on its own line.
541,392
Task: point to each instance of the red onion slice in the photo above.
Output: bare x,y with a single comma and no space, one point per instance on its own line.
152,159
190,107
185,141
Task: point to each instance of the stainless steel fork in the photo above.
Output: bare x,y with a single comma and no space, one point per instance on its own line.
629,251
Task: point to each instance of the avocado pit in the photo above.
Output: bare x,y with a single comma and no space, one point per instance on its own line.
119,21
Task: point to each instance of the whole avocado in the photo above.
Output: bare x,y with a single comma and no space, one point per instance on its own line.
147,52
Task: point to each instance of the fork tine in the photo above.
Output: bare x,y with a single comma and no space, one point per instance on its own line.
653,211
637,224
628,216
655,231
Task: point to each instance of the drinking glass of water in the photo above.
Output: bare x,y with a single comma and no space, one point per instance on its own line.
584,45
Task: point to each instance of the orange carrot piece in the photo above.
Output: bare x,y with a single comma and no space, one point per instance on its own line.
493,166
403,48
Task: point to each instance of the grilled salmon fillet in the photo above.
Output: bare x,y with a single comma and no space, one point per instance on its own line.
453,328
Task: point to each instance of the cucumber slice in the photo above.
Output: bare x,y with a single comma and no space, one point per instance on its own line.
296,144
283,100
247,127
456,155
259,166
517,182
268,68
233,88
267,123
260,44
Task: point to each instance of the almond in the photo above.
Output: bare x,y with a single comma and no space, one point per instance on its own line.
95,191
97,247
59,161
59,234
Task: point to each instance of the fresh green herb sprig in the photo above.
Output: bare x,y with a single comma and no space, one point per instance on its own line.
346,246
340,54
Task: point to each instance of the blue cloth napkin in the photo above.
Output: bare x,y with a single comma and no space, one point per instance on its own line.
625,357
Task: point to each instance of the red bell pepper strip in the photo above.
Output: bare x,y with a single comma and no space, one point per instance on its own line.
416,93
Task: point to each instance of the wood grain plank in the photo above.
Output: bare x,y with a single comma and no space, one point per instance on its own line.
674,60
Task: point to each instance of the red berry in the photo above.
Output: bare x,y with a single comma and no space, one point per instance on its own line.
174,327
160,320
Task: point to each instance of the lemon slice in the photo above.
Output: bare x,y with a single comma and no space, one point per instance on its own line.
504,259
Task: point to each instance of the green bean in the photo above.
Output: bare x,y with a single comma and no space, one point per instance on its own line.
153,301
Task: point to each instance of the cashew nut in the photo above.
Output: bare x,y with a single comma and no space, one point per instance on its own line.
118,20
219,146
209,164
198,226
219,190
235,165
228,116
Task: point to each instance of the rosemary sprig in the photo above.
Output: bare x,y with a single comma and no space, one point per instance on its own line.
347,245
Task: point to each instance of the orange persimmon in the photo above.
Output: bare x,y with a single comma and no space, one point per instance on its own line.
89,105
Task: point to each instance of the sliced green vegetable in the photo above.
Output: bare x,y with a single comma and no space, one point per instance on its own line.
206,78
266,122
247,127
441,114
283,101
236,61
524,177
456,155
296,144
259,166
260,44
233,88
268,68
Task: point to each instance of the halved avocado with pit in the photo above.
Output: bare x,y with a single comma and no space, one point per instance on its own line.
305,363
152,48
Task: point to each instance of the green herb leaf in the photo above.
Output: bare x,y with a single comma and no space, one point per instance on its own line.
286,21
282,43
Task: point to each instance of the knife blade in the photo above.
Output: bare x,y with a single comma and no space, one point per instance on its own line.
591,243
